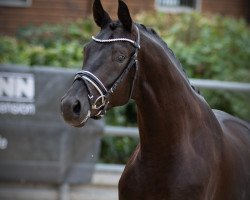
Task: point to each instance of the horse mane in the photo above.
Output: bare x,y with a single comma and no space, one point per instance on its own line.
113,25
153,33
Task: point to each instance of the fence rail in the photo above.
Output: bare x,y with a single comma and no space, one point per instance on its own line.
121,131
221,85
200,83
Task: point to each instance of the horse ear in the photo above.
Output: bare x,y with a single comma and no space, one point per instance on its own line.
124,16
101,17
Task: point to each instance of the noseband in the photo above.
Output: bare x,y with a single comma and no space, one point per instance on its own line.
102,101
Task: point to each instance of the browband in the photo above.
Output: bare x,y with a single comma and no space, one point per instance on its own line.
117,40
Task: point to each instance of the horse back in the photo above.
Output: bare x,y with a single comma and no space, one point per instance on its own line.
235,164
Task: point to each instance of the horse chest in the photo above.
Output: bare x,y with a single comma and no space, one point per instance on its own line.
157,183
132,187
135,184
138,182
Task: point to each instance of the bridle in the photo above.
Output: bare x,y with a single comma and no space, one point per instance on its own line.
90,78
104,93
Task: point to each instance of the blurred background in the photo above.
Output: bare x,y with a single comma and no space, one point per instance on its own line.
211,38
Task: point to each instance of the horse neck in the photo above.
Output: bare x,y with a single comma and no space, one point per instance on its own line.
167,105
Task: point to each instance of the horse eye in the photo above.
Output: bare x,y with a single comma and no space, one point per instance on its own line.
121,58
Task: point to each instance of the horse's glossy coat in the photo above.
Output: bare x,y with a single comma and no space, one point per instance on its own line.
186,150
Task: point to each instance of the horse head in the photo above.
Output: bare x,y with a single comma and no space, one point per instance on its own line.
108,76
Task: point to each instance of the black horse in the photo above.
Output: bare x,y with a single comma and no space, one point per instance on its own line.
186,150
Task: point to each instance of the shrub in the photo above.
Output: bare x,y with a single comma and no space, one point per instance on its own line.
117,149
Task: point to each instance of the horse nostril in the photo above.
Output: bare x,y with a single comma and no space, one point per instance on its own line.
77,107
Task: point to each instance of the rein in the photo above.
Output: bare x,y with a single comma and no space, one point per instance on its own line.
102,101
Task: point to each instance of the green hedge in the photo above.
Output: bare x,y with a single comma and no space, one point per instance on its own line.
49,45
210,47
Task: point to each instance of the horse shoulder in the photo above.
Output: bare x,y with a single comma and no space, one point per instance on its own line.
236,132
235,164
141,180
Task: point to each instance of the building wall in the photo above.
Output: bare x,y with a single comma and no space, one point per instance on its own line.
235,8
134,6
42,11
57,11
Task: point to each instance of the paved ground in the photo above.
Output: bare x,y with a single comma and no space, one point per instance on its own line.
102,187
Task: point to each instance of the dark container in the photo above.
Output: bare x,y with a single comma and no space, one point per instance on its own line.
36,145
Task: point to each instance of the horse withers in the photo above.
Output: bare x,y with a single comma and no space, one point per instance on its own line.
186,149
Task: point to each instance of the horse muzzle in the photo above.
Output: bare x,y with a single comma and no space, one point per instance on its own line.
75,111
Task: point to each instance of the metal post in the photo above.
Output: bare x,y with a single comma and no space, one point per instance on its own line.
64,192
